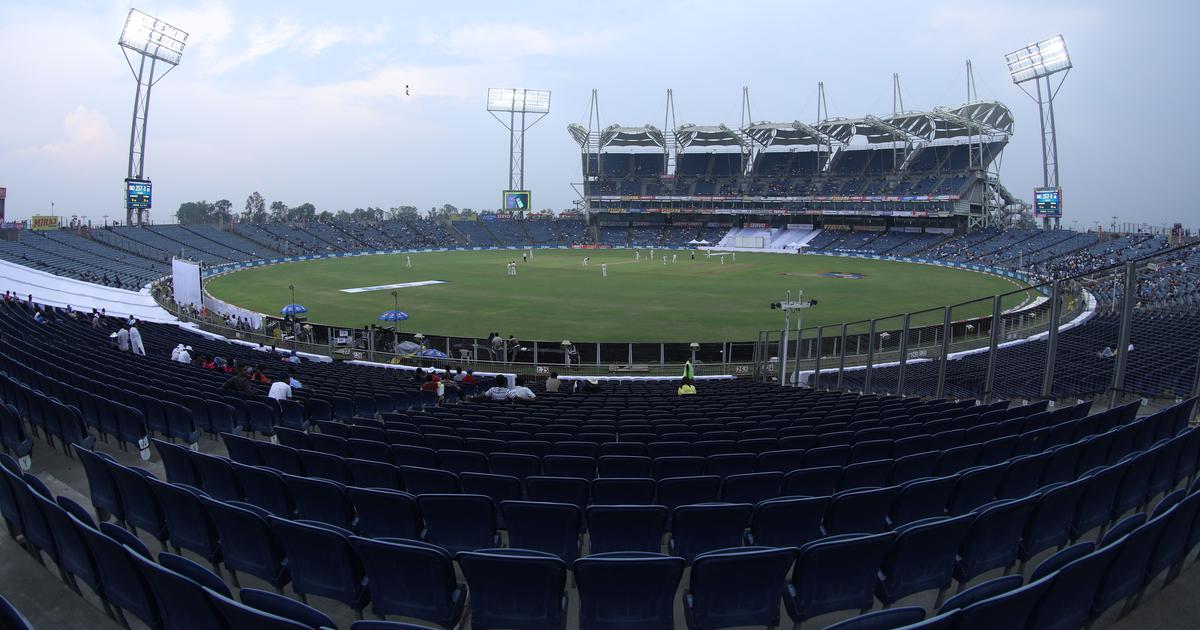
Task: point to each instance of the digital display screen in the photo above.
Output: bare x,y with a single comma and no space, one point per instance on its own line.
516,200
1047,202
137,194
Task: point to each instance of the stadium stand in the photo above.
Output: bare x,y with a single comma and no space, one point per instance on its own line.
869,499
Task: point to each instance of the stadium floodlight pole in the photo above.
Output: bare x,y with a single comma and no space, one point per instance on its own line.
156,42
518,103
787,306
1039,63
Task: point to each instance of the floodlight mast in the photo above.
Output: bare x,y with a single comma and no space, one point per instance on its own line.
1038,63
156,42
514,102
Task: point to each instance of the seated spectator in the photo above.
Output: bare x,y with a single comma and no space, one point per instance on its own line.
431,385
280,389
552,383
260,376
469,377
686,388
239,384
292,380
521,392
499,391
207,363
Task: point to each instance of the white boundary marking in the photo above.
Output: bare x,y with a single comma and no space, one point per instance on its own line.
398,285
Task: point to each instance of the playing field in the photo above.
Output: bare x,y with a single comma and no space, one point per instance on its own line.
554,297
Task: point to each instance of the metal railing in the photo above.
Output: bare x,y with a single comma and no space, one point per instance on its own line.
1129,331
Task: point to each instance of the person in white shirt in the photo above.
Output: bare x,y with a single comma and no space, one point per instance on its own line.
185,355
408,261
175,352
674,258
499,391
135,341
123,339
521,392
604,269
280,389
586,260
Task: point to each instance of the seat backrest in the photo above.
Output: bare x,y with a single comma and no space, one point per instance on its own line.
515,588
617,528
737,587
550,527
321,561
837,573
411,578
696,529
459,522
633,588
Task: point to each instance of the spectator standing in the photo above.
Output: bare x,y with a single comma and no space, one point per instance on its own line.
135,340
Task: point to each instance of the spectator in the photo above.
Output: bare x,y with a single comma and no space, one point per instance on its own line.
260,376
686,388
498,391
469,378
552,383
175,352
185,355
521,393
281,389
207,363
240,384
292,380
459,375
123,339
135,340
592,386
432,384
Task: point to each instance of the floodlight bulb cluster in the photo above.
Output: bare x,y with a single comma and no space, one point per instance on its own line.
1038,60
153,37
518,100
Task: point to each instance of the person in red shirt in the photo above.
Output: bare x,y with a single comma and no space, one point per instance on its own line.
470,377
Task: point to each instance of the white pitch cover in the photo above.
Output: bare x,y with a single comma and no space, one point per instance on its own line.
185,275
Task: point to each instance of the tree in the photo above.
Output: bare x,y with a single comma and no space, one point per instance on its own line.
222,211
402,212
194,212
279,211
325,216
302,212
256,208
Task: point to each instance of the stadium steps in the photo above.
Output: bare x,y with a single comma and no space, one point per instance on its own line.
254,236
129,246
348,235
208,239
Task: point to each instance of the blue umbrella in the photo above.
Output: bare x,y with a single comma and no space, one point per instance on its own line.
293,309
393,316
430,353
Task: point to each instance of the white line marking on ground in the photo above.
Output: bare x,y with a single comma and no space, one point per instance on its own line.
398,285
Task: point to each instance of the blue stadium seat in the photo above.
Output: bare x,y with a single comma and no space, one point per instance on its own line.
322,562
515,588
411,579
248,544
459,522
696,529
619,528
837,573
627,589
737,587
548,527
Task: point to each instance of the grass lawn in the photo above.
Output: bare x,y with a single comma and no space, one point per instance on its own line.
554,297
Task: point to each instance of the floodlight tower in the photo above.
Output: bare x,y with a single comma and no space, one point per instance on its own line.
1038,63
156,42
518,103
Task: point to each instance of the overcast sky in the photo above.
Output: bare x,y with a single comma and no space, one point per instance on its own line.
305,100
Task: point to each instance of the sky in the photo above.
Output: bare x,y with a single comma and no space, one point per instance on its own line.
306,101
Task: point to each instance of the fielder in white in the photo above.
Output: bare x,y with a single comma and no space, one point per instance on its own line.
604,269
408,261
674,258
586,260
637,254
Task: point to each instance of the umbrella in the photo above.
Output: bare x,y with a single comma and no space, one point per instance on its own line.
293,309
393,316
430,353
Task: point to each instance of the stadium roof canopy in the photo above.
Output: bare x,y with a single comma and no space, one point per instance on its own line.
621,137
708,137
791,134
980,118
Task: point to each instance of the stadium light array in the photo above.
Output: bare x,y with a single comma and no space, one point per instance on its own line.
1038,60
518,103
152,42
1037,63
518,100
150,36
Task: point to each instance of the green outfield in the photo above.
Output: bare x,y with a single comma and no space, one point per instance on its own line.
554,297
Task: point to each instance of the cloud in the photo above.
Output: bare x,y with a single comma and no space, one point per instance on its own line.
86,135
507,42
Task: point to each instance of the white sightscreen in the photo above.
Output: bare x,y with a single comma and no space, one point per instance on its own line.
186,277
